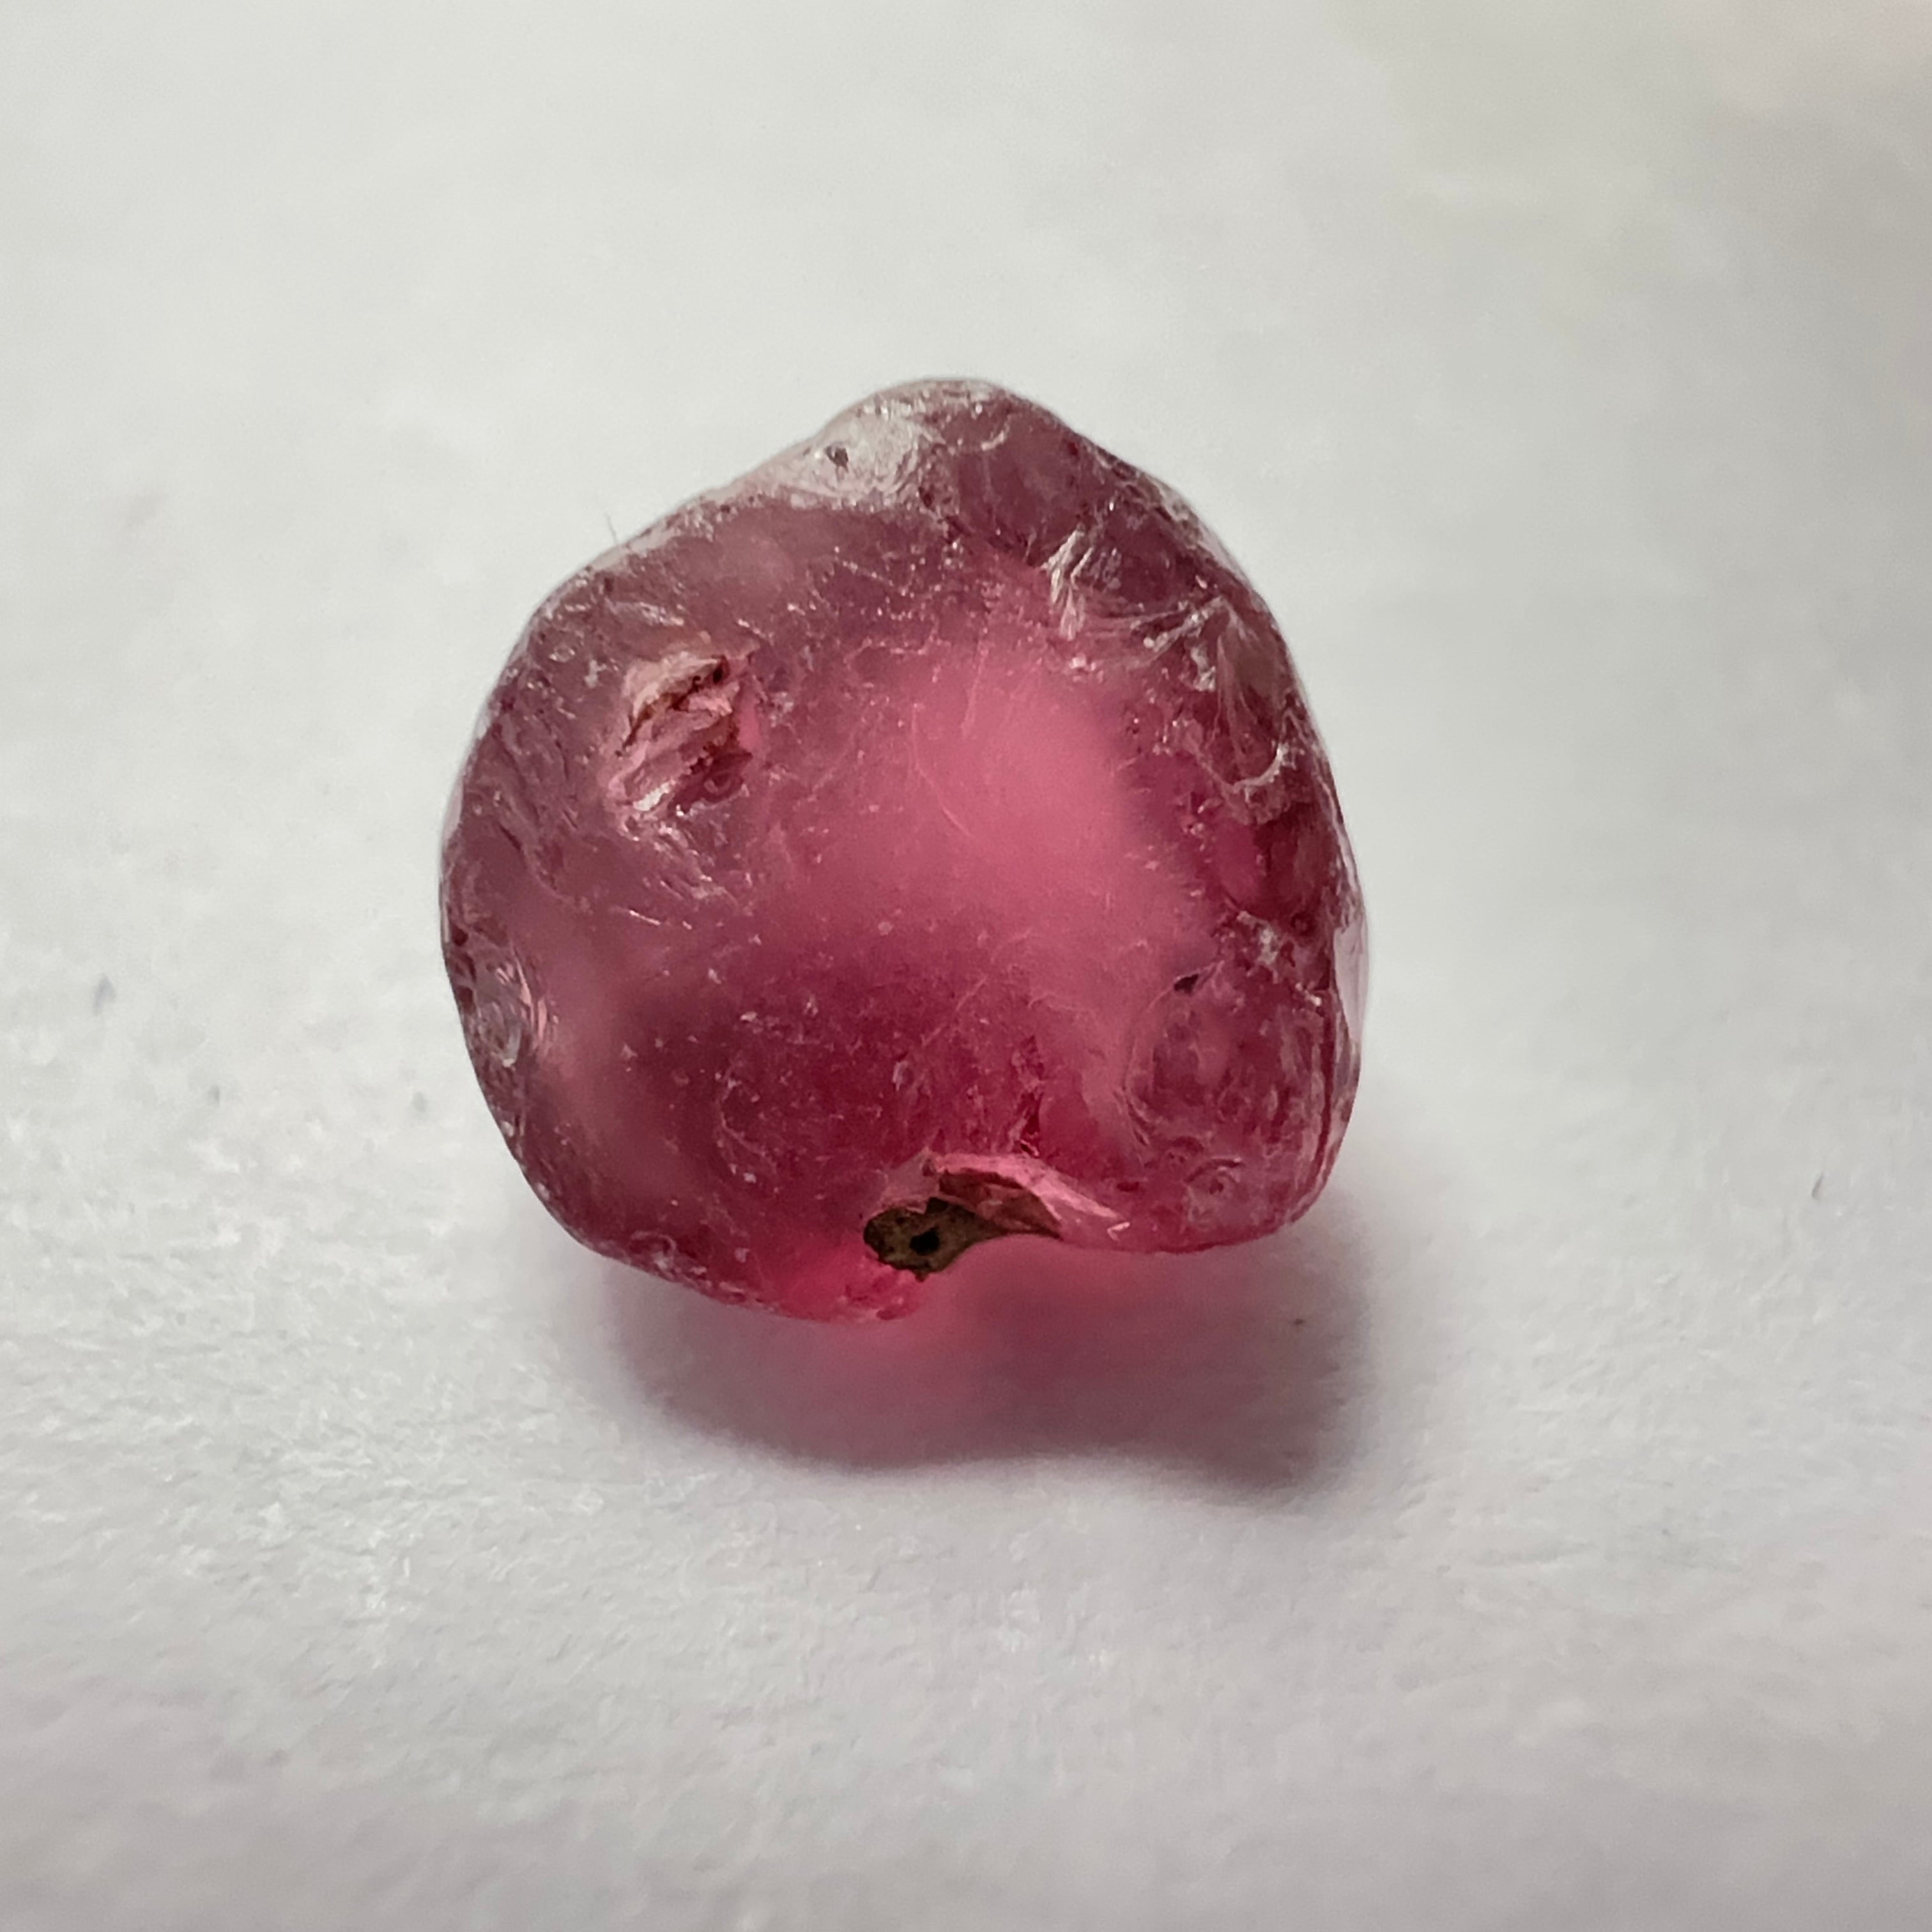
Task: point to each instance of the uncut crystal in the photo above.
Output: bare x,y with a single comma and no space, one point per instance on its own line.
922,839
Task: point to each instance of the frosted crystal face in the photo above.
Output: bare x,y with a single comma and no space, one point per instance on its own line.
921,839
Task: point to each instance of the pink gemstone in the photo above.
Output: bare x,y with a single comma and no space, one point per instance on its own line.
921,839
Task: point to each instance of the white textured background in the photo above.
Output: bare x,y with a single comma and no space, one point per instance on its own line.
1538,1539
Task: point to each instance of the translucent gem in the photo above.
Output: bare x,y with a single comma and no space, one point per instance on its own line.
922,840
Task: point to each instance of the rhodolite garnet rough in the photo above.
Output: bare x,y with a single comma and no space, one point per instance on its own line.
922,839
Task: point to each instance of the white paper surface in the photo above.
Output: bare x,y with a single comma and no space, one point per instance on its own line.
1540,1538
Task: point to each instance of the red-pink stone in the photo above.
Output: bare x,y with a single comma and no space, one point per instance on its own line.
924,838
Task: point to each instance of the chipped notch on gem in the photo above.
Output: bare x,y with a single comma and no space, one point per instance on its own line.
922,840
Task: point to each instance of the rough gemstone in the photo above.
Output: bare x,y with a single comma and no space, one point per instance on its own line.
921,839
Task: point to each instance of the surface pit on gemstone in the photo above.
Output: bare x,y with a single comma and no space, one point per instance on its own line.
924,1239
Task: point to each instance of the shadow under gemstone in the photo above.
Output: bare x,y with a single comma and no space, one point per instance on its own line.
1241,1365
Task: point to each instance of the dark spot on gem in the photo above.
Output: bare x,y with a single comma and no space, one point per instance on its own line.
1187,982
923,1240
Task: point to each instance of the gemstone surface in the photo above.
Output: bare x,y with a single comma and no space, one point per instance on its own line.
922,839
